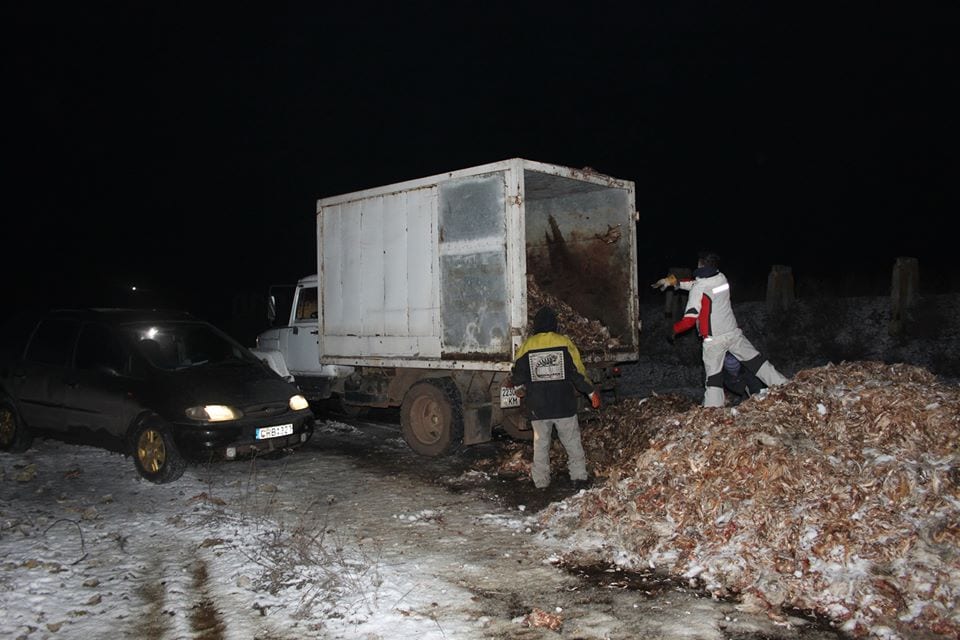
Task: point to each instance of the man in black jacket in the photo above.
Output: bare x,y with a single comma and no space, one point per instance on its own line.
549,368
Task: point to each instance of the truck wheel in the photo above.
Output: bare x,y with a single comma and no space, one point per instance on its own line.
431,417
516,425
155,454
14,435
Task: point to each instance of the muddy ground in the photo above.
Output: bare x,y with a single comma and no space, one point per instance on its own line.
510,574
411,547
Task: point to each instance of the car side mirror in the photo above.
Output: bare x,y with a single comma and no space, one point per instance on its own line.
271,309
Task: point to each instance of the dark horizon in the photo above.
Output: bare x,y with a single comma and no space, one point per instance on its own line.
183,151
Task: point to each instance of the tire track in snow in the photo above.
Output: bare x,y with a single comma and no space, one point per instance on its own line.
153,593
205,618
177,594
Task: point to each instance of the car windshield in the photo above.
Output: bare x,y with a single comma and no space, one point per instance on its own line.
179,345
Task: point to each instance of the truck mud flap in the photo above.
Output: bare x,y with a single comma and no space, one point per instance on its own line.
477,426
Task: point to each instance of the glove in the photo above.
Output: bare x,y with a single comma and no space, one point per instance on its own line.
669,280
595,399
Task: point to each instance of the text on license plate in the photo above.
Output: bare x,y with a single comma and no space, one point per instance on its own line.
274,432
508,397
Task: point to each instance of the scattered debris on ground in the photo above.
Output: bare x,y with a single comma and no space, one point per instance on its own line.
540,618
837,494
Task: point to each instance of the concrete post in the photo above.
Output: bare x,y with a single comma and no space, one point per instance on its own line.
904,292
780,295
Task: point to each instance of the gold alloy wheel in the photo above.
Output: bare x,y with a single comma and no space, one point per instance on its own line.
8,427
151,450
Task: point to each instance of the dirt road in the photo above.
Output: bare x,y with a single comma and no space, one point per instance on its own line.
354,536
481,534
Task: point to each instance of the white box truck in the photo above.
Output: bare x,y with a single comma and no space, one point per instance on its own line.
422,291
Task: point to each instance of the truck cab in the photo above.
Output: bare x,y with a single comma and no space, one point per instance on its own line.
292,349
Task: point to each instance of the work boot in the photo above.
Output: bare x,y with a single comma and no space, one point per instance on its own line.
582,484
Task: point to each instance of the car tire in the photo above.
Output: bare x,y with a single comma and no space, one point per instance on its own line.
309,430
431,417
155,454
14,434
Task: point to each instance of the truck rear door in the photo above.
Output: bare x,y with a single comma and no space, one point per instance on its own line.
473,267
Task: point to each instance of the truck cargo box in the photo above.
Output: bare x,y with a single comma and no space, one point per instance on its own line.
439,272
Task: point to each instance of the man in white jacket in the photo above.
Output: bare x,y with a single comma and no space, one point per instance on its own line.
710,311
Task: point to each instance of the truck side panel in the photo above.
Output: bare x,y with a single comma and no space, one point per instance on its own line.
372,268
378,280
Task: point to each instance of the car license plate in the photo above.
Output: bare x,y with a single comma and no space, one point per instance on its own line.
274,432
508,397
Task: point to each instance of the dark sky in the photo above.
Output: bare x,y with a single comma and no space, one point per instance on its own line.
183,148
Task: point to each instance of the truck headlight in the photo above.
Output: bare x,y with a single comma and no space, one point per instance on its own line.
298,402
214,413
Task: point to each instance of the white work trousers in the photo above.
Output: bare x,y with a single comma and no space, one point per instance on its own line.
715,348
568,429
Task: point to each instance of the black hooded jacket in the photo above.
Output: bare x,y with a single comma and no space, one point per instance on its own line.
549,365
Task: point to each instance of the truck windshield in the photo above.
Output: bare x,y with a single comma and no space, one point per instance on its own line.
181,345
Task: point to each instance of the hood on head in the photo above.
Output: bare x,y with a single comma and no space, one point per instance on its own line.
545,320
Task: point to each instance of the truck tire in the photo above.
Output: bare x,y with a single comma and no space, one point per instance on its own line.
155,454
14,435
516,424
431,417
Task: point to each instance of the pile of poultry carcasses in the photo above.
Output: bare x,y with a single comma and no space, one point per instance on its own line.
589,335
837,493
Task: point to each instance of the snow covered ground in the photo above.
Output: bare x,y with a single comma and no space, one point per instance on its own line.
331,543
324,543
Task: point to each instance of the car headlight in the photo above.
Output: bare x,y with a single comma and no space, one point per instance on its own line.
214,413
298,402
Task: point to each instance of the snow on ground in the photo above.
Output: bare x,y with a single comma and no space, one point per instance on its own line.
230,551
316,545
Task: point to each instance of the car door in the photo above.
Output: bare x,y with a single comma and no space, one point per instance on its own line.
40,378
98,385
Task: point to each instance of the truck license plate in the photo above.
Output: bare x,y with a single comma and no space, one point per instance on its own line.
264,433
508,397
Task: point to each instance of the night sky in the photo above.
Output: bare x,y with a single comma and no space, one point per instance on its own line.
183,149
